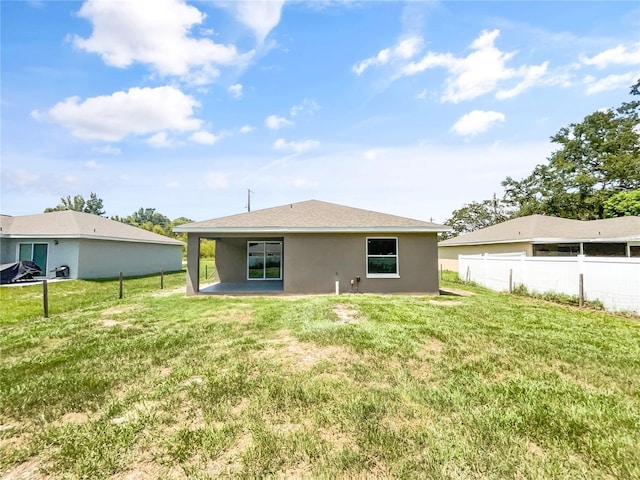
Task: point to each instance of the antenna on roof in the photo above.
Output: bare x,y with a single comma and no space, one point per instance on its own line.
249,192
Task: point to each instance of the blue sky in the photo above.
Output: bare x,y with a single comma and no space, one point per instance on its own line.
407,108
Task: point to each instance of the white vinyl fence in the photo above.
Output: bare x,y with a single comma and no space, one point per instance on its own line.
613,281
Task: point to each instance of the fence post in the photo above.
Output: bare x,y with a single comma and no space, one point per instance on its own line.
581,289
511,280
468,275
45,298
441,277
206,271
161,279
120,287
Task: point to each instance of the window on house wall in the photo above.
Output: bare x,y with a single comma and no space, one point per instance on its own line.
382,257
634,250
34,252
264,260
605,249
556,250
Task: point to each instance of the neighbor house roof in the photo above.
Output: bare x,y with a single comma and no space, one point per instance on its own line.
71,224
311,216
542,228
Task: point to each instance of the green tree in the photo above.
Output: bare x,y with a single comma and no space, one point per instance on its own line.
94,205
476,215
598,158
622,204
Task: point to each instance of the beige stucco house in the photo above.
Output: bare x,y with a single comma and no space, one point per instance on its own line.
541,235
316,247
90,245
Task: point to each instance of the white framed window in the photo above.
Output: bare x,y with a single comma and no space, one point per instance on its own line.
382,257
264,260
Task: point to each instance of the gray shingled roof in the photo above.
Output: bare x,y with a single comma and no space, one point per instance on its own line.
71,224
537,228
311,216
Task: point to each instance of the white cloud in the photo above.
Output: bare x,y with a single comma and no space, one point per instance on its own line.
235,90
93,164
610,82
107,150
71,180
20,178
422,95
532,76
259,16
204,137
138,111
155,33
404,50
614,56
216,181
476,122
480,72
274,122
296,147
246,129
307,106
302,182
160,140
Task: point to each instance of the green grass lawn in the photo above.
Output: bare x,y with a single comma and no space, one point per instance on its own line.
158,385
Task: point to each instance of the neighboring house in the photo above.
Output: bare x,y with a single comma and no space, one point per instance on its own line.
90,245
540,235
307,247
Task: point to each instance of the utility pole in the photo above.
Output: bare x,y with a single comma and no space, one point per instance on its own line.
249,192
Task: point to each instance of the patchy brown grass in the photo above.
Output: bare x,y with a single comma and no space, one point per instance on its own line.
302,356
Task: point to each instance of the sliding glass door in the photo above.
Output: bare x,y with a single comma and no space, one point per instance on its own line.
264,260
36,253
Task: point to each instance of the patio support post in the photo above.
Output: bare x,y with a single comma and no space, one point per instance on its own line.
193,264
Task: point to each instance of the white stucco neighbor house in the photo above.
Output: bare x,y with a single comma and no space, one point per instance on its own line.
90,245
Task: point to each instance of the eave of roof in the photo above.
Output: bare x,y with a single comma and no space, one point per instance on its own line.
311,216
546,240
263,230
169,241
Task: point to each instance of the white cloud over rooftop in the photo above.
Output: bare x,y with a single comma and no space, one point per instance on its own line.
137,111
157,33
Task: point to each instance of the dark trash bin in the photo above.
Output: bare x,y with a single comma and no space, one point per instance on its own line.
62,271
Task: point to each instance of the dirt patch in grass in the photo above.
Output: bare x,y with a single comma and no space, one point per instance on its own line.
233,315
230,460
137,409
72,417
148,470
110,322
240,407
345,313
171,291
26,470
432,349
338,439
120,309
302,355
446,303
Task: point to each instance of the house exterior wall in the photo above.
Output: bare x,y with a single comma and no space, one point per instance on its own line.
311,262
448,256
106,259
64,253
